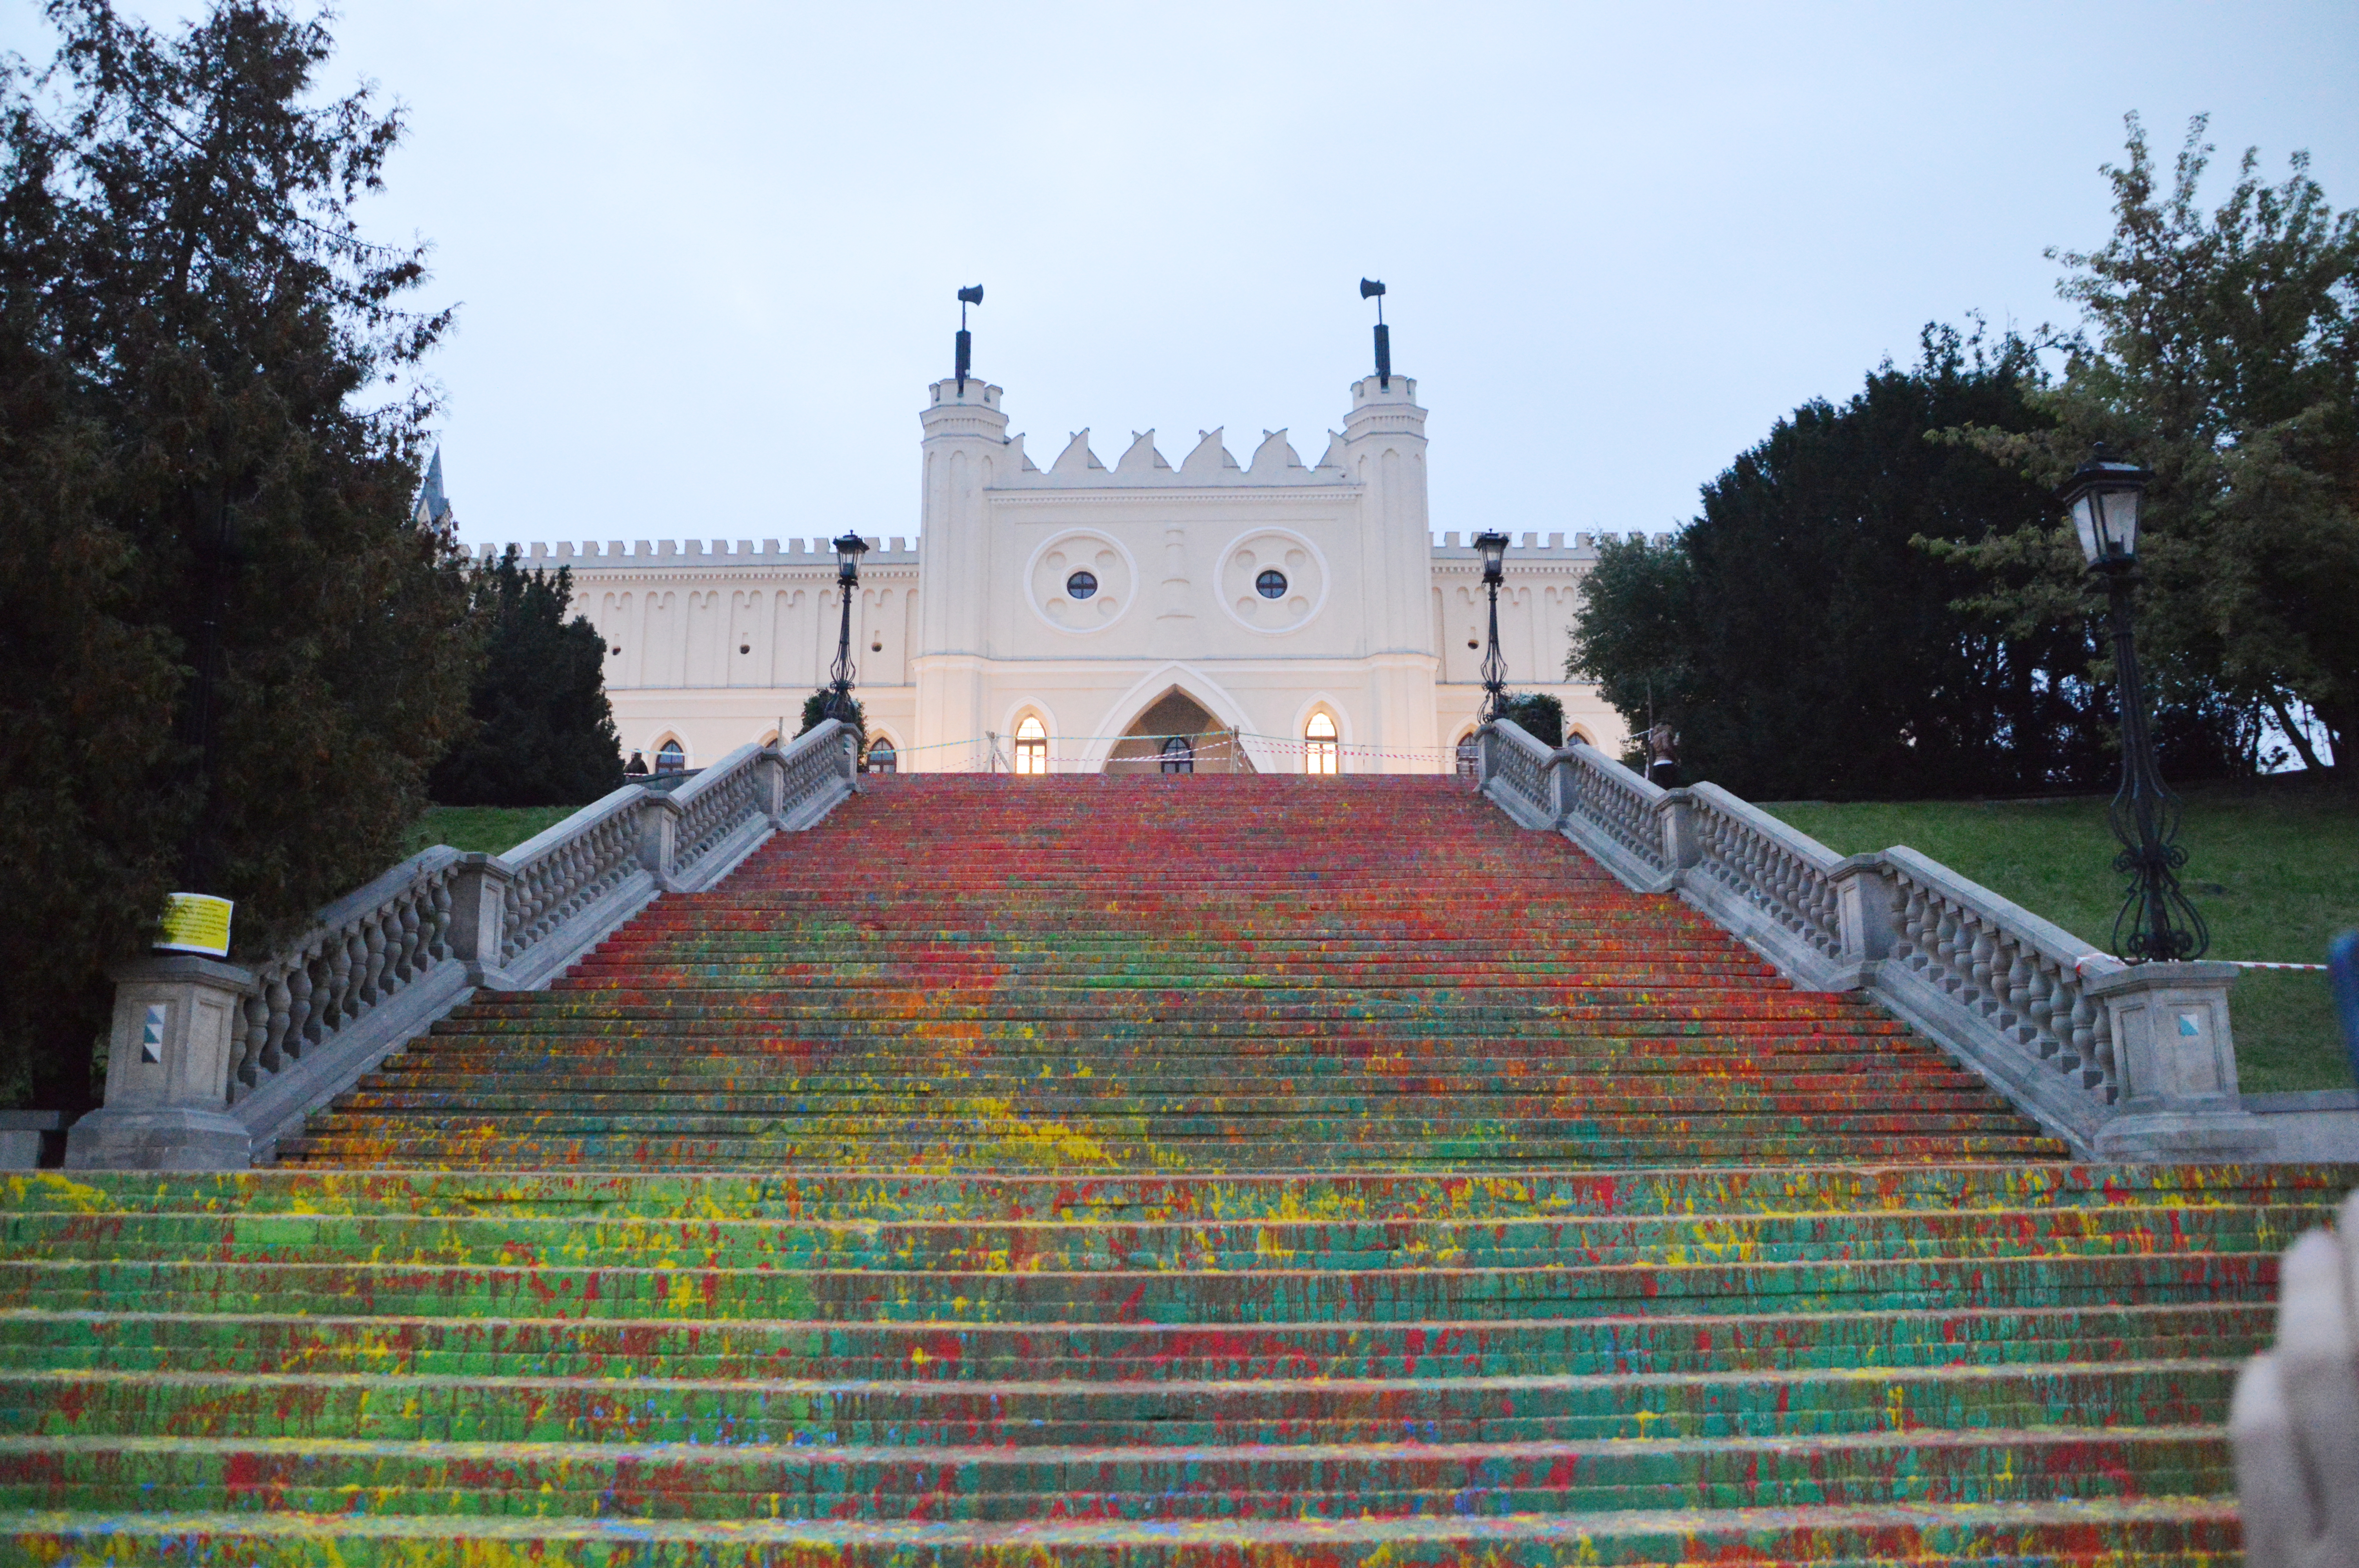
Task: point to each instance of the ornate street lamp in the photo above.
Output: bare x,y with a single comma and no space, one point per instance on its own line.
1493,548
2157,922
848,551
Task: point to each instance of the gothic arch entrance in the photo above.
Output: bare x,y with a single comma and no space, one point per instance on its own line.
1147,745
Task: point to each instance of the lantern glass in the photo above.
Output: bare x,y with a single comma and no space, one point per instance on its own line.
2106,498
1493,548
848,551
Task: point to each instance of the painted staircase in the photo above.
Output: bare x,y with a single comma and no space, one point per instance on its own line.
1213,1171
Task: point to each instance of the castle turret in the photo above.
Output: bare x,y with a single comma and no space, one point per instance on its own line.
1383,450
966,446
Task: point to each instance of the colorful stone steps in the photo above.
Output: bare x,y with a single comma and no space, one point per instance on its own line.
1232,1173
551,1479
934,1352
1066,1245
2162,1533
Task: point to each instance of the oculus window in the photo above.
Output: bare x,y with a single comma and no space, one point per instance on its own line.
1271,584
1081,585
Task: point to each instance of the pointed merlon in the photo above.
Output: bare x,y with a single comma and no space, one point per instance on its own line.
1275,454
1210,456
1077,458
1142,455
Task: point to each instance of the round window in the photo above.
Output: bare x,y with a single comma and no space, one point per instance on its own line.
1271,584
1081,585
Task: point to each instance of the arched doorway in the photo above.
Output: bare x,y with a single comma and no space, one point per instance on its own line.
1205,744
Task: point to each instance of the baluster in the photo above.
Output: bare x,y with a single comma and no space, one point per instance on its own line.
2099,1071
2014,986
373,956
351,956
2040,1006
1945,948
2084,1028
282,1013
256,1012
439,942
303,1010
1985,954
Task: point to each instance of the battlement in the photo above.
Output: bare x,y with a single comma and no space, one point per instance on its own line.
1448,550
669,555
814,555
1209,463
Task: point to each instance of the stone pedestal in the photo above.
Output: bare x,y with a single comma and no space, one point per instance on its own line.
177,1021
2176,1061
22,1135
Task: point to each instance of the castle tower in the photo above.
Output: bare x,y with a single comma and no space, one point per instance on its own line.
1384,452
966,449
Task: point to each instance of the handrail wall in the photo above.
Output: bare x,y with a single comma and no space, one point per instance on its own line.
379,965
2121,1062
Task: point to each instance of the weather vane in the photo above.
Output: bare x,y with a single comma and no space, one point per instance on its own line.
972,295
1371,288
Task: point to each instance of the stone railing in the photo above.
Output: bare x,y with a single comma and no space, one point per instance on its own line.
209,1064
2121,1062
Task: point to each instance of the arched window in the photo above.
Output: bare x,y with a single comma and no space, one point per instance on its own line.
882,758
1469,758
1178,756
1319,751
1031,746
670,758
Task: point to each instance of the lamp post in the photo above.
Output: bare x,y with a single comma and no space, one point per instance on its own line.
1494,547
848,551
2156,923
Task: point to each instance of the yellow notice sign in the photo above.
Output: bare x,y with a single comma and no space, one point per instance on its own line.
194,923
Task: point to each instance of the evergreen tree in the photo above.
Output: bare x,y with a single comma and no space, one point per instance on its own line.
1804,646
544,734
209,439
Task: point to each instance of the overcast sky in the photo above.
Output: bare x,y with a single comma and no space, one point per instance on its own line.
705,255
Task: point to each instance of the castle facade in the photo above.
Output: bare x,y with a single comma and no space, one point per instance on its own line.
1269,615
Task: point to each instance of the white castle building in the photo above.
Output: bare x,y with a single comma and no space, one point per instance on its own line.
1270,615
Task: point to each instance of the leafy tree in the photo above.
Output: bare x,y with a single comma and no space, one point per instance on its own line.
2222,351
1540,713
1801,643
544,732
210,442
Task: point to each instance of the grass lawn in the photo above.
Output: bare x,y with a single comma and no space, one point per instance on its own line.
491,828
2274,867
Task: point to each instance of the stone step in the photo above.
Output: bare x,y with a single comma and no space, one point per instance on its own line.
2159,1532
1396,1294
922,1351
653,1479
1170,1413
1288,1245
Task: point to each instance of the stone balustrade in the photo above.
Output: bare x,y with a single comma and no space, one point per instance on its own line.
2124,1061
209,1062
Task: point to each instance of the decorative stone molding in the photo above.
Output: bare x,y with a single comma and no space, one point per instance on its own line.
2122,1062
209,1064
